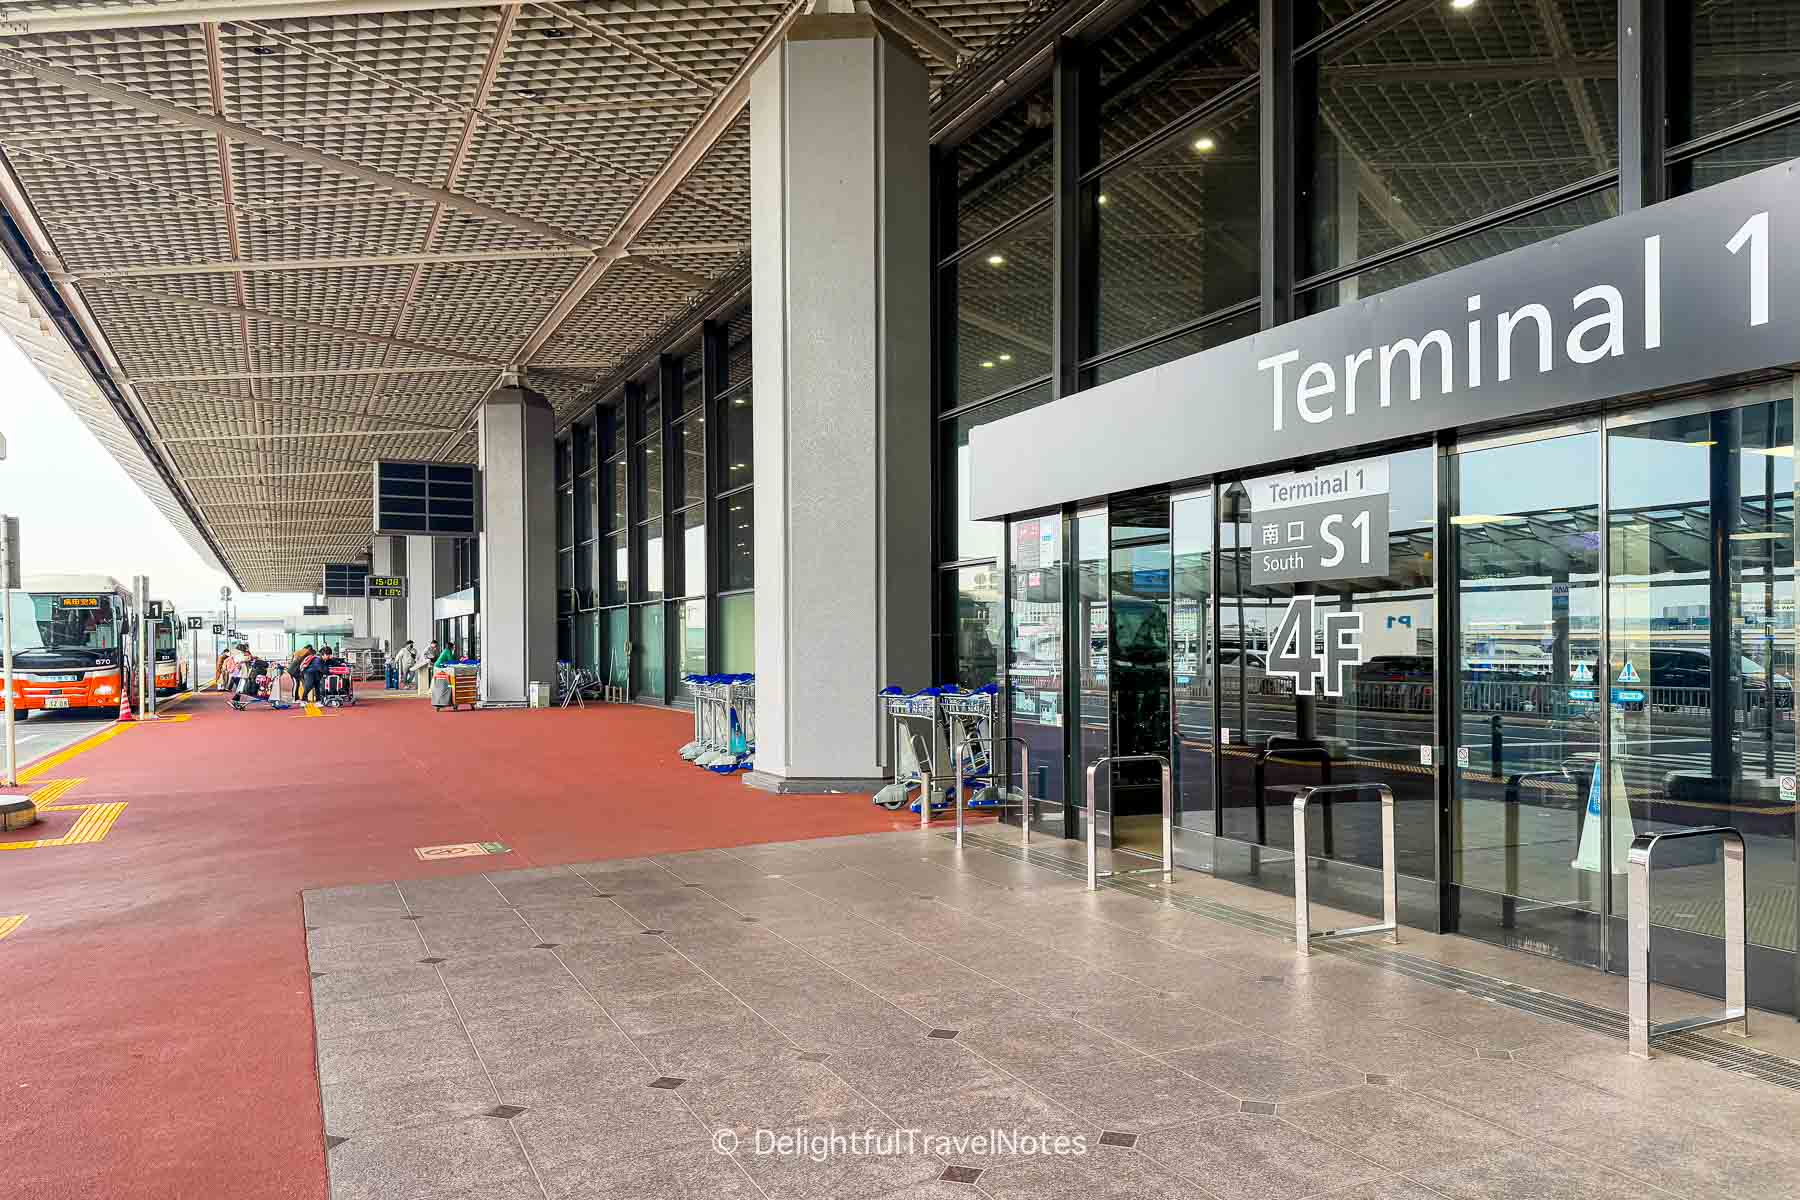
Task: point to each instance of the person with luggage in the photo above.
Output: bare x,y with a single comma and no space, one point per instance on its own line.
307,670
426,665
401,666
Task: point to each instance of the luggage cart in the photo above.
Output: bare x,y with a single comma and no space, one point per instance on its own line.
969,718
921,748
724,722
741,717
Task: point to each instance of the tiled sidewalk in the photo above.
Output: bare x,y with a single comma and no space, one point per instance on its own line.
589,1031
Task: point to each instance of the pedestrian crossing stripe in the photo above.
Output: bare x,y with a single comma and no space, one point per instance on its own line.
1629,674
8,924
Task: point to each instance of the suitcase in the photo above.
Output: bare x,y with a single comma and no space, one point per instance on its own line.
443,690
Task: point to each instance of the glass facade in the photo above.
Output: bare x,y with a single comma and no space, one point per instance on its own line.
650,589
1569,634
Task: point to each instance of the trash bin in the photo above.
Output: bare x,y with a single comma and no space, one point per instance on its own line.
539,694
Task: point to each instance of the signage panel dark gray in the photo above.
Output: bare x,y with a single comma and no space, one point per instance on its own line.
438,499
344,579
1699,287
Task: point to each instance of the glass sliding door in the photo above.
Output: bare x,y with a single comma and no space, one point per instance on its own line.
1191,676
1306,557
1525,561
1138,614
1090,624
1035,659
1700,658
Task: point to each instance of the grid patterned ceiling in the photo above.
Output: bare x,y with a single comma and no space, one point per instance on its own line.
302,236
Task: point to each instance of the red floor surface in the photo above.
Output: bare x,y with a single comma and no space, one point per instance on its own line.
157,1036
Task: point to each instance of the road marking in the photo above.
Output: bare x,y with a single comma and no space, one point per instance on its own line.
313,710
8,924
94,823
460,850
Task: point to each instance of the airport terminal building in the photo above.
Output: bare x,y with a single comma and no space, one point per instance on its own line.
1389,392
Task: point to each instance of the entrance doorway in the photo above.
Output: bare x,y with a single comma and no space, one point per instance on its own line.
1630,681
1139,669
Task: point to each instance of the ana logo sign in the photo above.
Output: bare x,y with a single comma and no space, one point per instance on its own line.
1316,658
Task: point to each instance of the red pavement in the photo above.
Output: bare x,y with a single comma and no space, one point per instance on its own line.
157,1037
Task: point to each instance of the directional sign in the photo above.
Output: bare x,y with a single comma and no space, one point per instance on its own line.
196,622
1317,525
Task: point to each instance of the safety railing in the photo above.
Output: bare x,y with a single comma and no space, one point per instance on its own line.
1304,936
1094,874
1638,862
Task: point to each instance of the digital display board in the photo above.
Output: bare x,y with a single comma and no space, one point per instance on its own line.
345,579
437,499
387,587
81,602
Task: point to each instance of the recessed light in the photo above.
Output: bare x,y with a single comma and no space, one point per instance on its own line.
996,260
988,365
1485,519
1205,143
262,51
1006,358
1102,199
1460,5
1771,452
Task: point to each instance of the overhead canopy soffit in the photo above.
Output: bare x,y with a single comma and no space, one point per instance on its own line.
302,236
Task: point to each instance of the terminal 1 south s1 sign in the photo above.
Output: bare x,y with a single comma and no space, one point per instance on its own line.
1313,526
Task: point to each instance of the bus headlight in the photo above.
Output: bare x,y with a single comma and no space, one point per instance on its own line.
105,689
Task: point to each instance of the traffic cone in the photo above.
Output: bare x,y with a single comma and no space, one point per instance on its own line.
125,705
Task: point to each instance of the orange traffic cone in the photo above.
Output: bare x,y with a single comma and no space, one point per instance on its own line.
125,705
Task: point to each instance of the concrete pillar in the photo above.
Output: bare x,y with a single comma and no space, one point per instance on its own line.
840,249
388,617
423,582
518,545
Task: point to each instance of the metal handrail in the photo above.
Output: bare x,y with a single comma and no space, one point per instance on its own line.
1304,937
1643,848
1094,874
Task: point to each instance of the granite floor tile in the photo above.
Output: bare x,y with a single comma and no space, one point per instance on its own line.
1043,1047
1160,1024
363,933
1396,1129
471,1155
700,1004
366,956
1375,1046
440,1047
401,1101
1244,1157
450,894
1482,1024
579,921
562,1136
603,1065
838,1176
690,1171
1263,1069
370,982
1134,1095
473,934
543,889
899,1074
1528,1171
733,1047
784,1094
335,1018
1004,1105
1101,1173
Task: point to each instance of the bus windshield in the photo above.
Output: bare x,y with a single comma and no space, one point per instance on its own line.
73,622
25,634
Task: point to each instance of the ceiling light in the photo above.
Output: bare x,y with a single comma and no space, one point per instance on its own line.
1706,443
996,260
1767,535
1205,144
1771,452
739,402
1485,519
1006,358
1461,5
1102,199
988,365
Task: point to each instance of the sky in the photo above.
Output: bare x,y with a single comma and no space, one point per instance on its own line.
79,513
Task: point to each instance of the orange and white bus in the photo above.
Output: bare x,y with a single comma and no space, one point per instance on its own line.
171,668
71,637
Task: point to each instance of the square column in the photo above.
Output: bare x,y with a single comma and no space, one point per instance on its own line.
518,544
387,618
424,578
840,258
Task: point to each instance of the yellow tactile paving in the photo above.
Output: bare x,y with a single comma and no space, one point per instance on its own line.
94,823
45,765
8,924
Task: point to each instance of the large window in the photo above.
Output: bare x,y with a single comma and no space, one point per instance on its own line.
1429,122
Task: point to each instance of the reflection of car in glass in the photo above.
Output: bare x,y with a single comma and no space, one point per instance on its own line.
1396,668
1689,668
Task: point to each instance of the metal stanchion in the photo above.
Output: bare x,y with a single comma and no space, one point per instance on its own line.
1638,862
1304,937
1094,874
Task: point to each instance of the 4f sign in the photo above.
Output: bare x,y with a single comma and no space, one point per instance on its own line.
1318,658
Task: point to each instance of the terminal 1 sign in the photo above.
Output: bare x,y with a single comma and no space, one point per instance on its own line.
1312,526
1697,288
